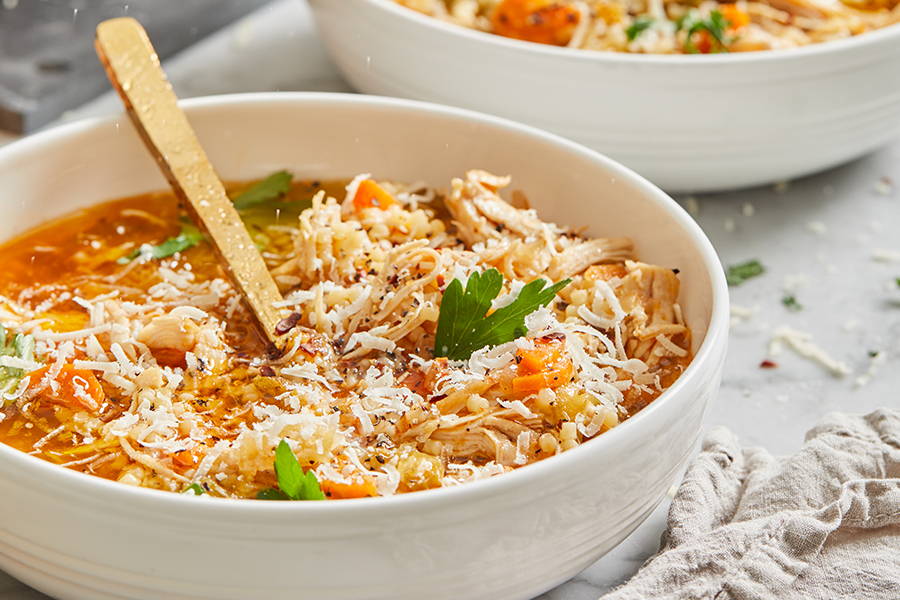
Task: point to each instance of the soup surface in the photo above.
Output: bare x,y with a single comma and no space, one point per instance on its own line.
431,338
667,26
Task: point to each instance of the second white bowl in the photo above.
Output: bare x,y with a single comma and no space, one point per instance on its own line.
695,123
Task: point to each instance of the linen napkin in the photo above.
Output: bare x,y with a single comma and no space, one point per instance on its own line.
821,524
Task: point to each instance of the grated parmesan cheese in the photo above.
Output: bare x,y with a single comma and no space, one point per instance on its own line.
801,343
15,362
885,256
519,407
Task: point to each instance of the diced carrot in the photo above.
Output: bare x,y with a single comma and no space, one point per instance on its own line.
188,458
531,361
545,366
371,195
77,387
546,353
735,16
540,21
356,489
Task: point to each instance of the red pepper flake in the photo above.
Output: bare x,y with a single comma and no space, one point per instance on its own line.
550,337
308,348
267,371
287,323
768,364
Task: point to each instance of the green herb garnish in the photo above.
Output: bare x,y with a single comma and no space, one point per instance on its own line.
715,24
790,302
188,237
873,353
293,483
19,346
638,26
738,274
195,488
463,323
271,188
897,281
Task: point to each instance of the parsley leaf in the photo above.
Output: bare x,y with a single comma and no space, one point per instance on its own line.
715,25
897,281
195,489
790,302
293,483
188,237
271,494
271,188
463,327
462,310
638,26
19,346
738,274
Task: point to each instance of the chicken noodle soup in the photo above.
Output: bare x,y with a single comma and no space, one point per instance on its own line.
431,338
667,26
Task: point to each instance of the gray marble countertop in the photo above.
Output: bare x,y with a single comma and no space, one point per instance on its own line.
831,241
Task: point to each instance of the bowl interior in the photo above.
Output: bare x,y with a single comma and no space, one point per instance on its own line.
333,136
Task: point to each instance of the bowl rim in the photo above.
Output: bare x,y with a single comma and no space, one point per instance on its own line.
205,508
828,48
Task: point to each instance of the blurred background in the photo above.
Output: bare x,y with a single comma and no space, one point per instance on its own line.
47,60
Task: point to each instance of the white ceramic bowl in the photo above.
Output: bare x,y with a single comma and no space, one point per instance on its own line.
685,122
79,537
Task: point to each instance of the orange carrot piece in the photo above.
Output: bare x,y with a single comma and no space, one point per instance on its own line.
355,489
541,21
547,352
371,195
187,458
77,387
735,16
545,366
552,378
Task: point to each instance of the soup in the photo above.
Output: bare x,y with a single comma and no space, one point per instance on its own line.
429,339
667,27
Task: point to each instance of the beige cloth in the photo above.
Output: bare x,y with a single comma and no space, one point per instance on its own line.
822,524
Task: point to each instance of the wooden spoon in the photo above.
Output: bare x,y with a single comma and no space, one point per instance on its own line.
134,70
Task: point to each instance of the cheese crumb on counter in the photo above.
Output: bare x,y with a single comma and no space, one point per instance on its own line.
885,256
817,227
801,343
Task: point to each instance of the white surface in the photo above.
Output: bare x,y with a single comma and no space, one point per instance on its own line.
706,122
276,49
503,538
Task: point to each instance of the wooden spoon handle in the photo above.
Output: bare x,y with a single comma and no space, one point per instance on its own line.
134,70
